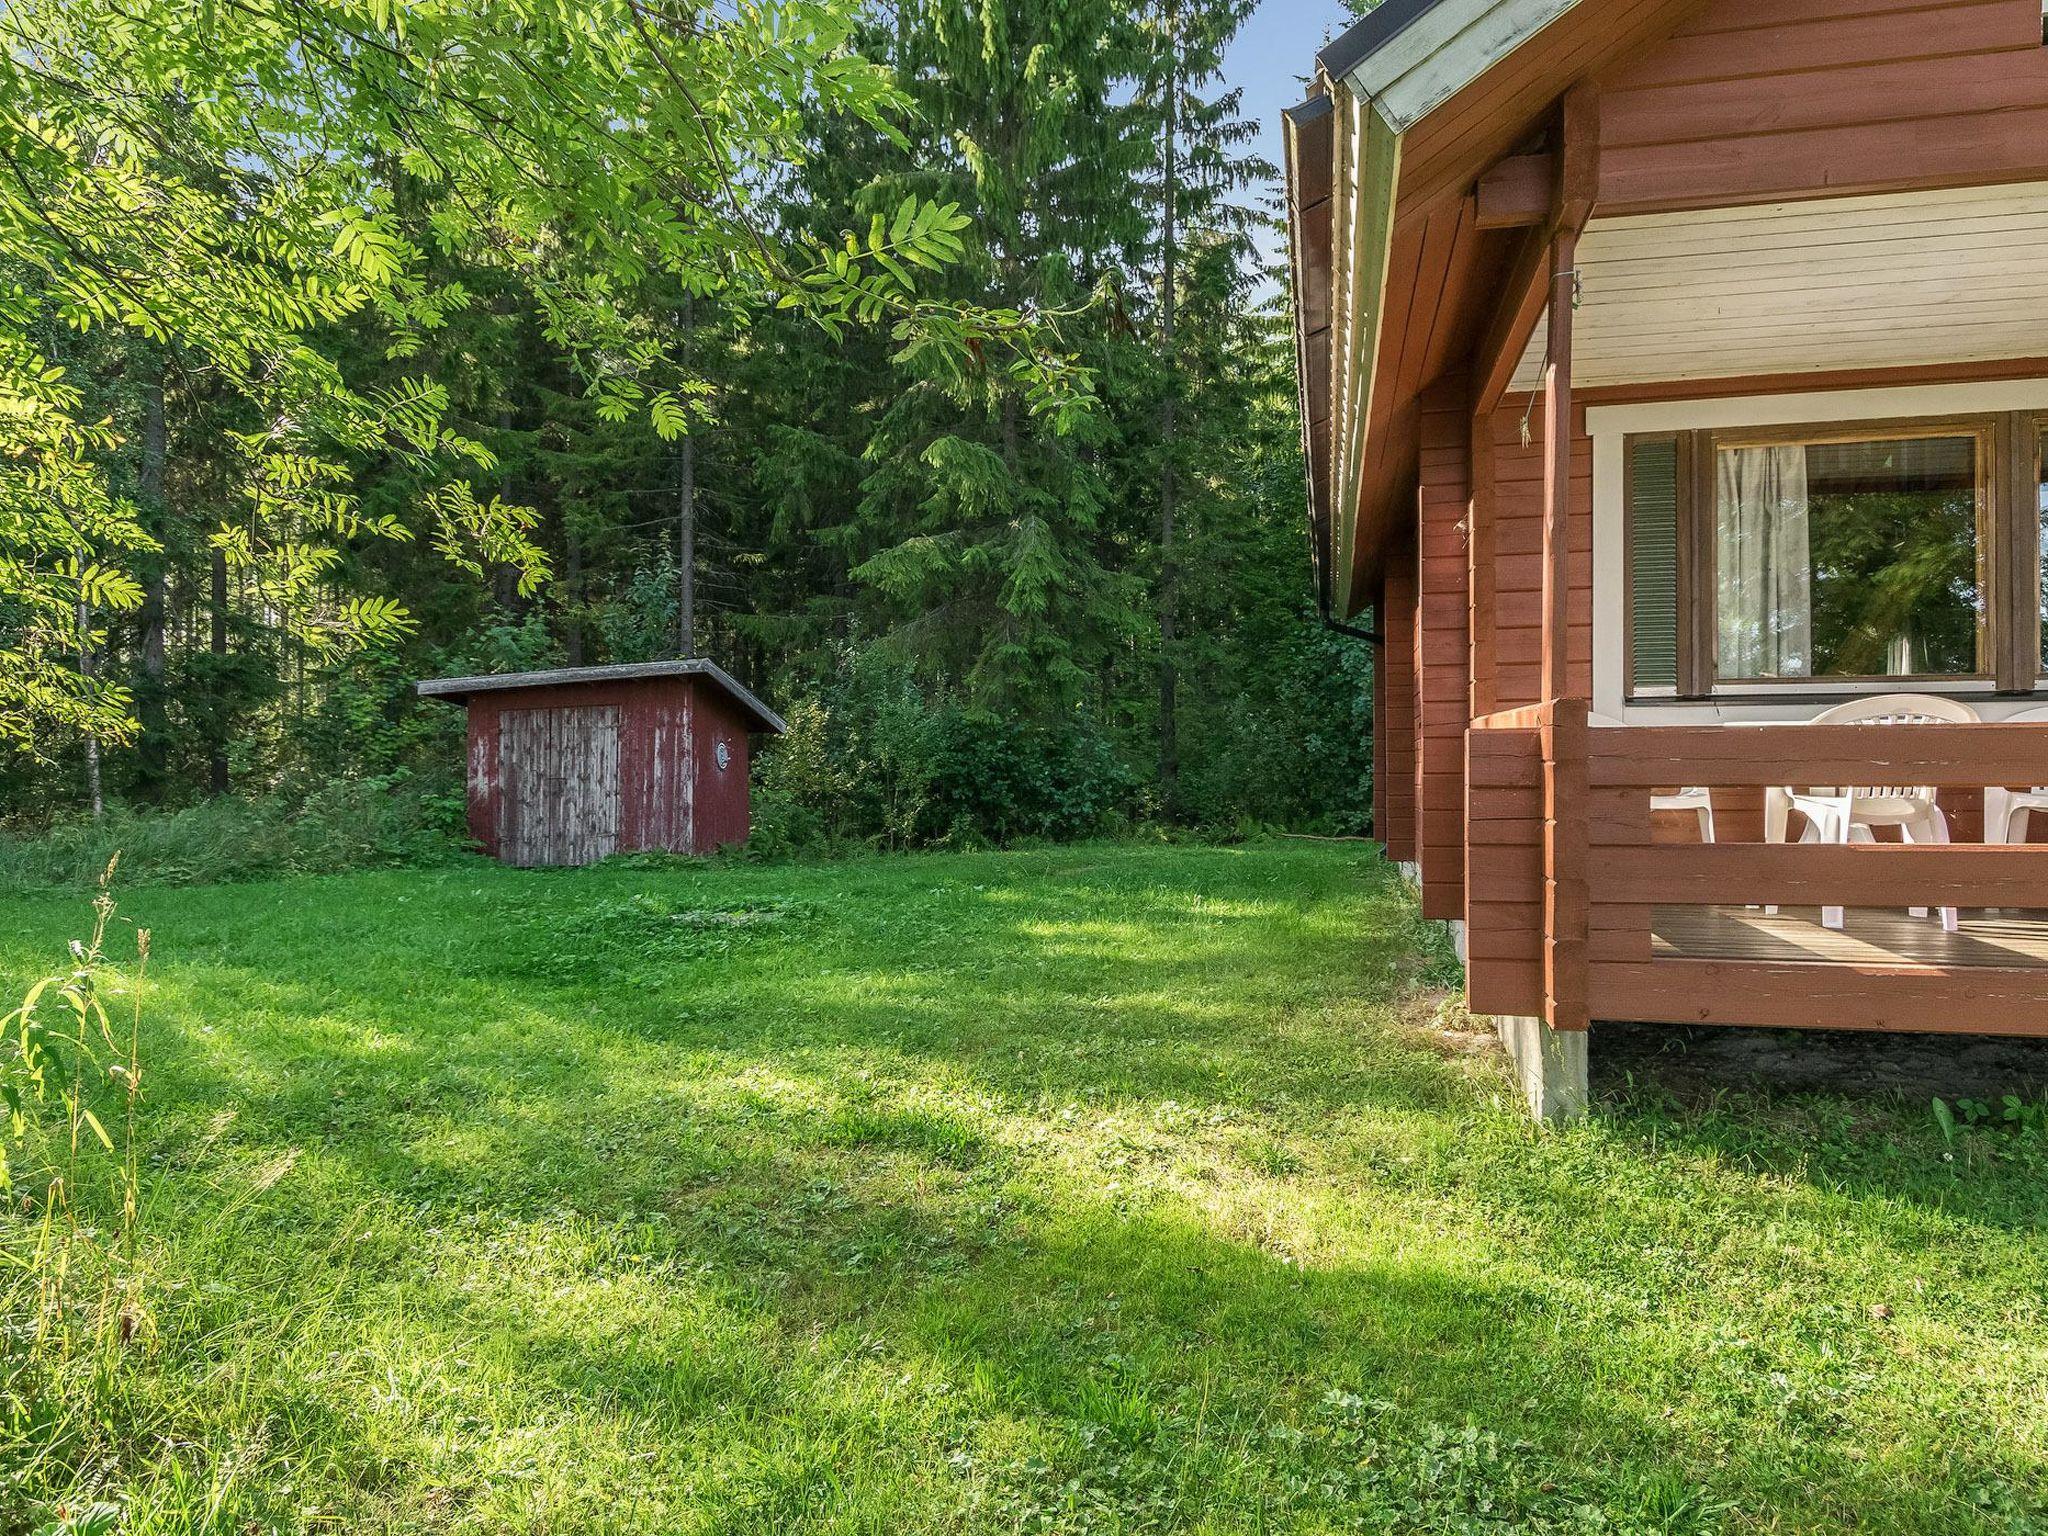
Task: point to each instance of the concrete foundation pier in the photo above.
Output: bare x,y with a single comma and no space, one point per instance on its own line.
1550,1066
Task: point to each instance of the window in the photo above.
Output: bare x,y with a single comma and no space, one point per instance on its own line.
1815,556
1848,559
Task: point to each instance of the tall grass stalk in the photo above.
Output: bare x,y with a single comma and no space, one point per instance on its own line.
72,1302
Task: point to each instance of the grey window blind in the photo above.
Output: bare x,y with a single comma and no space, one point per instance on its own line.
1653,473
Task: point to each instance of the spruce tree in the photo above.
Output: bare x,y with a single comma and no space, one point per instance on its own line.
986,532
1200,174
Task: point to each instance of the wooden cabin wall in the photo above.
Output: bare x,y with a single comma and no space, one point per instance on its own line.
1443,648
1379,716
659,790
1394,722
481,773
1512,646
668,794
1503,890
1753,99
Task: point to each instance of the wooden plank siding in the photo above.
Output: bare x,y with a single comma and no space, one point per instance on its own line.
1757,160
1703,104
1446,151
718,802
568,774
1394,723
1751,100
1443,656
1504,882
560,784
1513,629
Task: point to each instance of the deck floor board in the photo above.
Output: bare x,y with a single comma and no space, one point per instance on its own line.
1996,939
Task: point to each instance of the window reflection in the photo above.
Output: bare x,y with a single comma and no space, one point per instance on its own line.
1850,559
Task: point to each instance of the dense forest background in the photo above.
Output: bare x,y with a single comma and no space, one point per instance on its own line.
984,622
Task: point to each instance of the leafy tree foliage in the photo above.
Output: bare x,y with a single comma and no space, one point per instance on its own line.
225,183
917,362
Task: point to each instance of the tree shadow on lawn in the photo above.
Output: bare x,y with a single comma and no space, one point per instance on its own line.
1137,1358
1150,1351
867,1170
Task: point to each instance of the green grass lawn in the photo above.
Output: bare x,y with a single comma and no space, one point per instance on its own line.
1102,1189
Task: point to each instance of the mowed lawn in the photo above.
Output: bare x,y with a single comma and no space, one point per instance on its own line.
1104,1189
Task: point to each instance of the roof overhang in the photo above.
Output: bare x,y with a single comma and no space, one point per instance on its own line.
1886,281
1401,270
1344,160
1408,57
459,690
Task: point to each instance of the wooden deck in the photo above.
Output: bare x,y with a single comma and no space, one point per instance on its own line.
2002,939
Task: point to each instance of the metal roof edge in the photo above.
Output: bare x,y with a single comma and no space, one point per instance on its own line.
1379,26
457,689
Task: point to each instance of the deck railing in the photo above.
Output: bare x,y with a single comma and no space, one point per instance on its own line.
1566,876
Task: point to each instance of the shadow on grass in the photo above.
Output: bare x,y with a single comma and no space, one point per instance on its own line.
1010,1174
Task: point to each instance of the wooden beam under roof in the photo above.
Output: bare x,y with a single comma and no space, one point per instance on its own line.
1575,171
1516,192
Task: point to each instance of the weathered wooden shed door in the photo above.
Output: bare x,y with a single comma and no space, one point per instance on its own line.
560,785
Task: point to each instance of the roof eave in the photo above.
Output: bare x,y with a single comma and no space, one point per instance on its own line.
1404,60
458,690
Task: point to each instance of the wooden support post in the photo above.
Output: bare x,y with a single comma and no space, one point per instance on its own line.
1566,853
1566,834
1557,468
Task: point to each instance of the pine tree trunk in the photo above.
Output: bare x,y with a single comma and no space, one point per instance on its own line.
572,595
686,516
686,548
152,747
217,758
1169,575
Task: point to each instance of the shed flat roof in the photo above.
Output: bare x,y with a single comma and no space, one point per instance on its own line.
458,689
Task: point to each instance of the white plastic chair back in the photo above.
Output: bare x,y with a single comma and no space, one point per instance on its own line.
1895,709
2029,717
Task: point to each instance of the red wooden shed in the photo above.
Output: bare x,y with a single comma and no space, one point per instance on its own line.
570,765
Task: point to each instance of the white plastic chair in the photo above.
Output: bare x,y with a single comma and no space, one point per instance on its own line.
1850,814
2006,811
1698,799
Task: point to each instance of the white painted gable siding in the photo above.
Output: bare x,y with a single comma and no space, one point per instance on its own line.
1857,282
1443,51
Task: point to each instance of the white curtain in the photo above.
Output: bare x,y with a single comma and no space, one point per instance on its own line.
1764,593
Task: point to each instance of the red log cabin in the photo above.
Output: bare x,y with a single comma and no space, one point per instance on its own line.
572,765
1674,382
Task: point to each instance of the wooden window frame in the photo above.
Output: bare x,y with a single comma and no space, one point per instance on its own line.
2010,450
2027,541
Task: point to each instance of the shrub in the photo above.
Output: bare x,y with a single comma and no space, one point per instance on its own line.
879,760
348,824
1001,780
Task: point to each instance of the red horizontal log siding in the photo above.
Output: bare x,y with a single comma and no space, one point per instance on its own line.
1754,99
1443,650
1515,619
1504,916
1395,722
